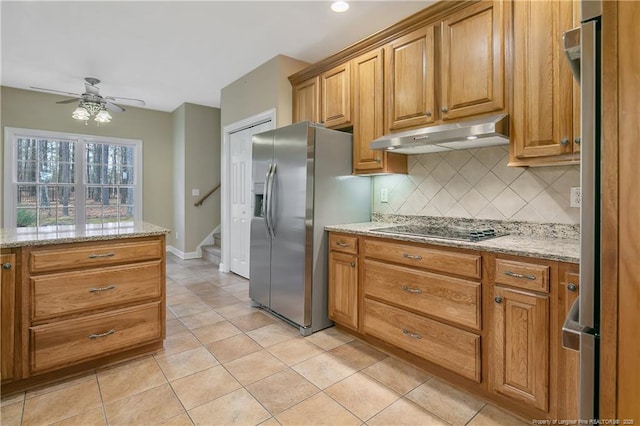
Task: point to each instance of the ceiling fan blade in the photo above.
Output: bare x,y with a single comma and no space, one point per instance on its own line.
120,98
68,101
55,91
113,107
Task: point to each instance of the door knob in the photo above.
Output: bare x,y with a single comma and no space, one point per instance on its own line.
577,140
6,266
564,141
444,109
572,287
498,299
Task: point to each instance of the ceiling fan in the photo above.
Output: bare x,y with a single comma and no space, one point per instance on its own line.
92,103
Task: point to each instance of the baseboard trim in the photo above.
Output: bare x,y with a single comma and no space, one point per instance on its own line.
185,256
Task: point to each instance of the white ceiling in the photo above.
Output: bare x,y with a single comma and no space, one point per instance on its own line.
170,52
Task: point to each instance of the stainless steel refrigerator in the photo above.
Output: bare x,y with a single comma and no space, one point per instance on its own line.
581,329
301,182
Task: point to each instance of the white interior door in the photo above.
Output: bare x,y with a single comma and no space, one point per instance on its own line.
240,196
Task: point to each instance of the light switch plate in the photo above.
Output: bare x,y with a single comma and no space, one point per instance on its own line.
195,192
575,197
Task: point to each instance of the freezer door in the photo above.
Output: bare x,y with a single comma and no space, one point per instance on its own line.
292,206
260,249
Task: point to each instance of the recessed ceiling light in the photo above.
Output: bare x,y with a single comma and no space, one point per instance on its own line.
340,6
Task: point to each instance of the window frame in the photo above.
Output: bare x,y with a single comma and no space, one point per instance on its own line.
10,175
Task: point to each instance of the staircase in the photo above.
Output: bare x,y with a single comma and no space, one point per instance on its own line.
213,253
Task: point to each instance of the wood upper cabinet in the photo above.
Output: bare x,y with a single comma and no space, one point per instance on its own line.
409,79
335,99
472,55
306,100
544,92
9,313
368,116
520,355
343,281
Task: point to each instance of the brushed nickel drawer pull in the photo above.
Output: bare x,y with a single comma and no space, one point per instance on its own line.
516,275
352,264
95,336
572,287
95,256
410,334
412,256
94,289
6,265
411,290
341,244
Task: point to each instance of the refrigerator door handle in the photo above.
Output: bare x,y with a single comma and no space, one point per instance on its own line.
270,205
267,199
572,329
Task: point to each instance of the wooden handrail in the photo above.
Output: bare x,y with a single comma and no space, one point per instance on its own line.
205,196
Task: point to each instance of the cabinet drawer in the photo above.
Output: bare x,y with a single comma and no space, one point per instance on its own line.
344,243
74,292
65,343
453,299
452,348
88,255
530,276
467,265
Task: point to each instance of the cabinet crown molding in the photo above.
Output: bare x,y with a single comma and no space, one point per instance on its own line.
432,13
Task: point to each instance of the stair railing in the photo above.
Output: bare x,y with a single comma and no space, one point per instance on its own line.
205,196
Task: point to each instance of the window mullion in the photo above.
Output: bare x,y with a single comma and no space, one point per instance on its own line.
80,186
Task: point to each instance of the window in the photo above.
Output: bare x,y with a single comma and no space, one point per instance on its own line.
56,179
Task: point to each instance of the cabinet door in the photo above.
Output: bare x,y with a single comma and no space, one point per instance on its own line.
368,117
520,362
336,96
543,83
8,307
472,72
306,101
568,359
409,80
343,289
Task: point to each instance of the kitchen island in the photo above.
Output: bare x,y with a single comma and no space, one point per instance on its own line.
78,299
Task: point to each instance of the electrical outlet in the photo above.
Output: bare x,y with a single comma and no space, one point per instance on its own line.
384,195
575,197
195,192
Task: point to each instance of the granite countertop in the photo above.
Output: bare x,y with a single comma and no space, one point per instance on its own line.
565,248
32,236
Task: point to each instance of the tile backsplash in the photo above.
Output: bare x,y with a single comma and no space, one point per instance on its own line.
477,183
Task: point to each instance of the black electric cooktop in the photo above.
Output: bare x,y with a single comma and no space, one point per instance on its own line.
459,233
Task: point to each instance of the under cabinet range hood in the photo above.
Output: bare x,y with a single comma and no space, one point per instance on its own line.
480,132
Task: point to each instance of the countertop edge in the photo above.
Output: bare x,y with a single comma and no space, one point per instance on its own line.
499,245
50,238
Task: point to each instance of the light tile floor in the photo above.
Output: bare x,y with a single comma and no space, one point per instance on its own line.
225,362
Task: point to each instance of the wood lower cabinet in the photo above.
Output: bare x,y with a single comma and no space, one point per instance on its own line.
343,280
306,101
412,301
8,310
489,323
545,113
520,355
85,304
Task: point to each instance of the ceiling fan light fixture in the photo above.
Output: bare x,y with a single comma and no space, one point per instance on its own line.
103,116
340,6
81,113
